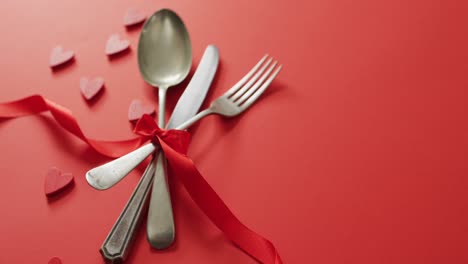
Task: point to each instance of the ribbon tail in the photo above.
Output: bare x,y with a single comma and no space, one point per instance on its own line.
30,105
217,211
36,104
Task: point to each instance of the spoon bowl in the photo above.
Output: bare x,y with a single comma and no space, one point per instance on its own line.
164,50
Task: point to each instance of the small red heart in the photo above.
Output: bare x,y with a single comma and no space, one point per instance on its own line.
89,88
59,56
56,181
137,109
115,45
134,17
55,260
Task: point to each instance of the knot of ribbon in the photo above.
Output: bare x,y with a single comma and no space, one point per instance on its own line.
174,144
178,140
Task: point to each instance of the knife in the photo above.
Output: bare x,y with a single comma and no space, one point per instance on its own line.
117,244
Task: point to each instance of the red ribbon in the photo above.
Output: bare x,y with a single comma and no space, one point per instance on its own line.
174,143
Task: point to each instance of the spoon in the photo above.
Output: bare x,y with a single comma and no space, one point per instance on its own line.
164,54
164,60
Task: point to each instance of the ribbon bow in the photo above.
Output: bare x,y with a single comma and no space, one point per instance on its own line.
174,143
178,140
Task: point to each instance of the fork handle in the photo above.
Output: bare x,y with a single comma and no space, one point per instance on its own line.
196,118
118,242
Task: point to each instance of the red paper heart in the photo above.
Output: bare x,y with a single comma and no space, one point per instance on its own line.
59,56
134,17
115,45
56,181
137,109
89,88
55,260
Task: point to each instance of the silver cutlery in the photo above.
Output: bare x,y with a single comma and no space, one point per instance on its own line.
117,244
237,99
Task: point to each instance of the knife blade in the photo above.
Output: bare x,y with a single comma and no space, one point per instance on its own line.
192,98
118,242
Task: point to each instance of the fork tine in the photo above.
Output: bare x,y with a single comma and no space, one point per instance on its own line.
259,92
247,86
245,78
255,86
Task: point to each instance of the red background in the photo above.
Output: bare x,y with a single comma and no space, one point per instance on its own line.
356,154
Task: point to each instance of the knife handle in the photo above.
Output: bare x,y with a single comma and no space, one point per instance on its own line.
160,226
118,242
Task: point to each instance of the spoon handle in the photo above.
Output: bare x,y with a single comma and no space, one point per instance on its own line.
117,244
162,110
160,226
160,229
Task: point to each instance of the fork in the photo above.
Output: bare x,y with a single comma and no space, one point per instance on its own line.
233,102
